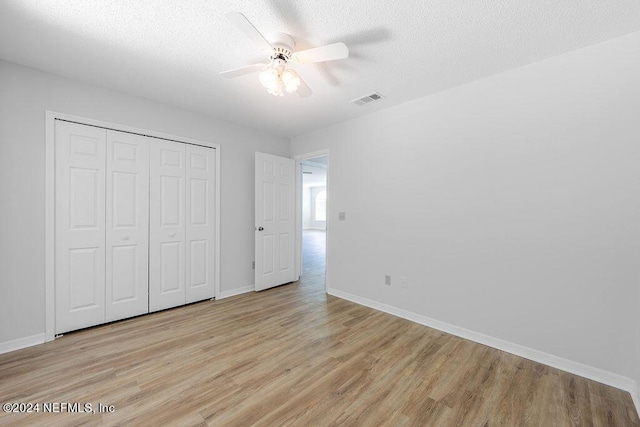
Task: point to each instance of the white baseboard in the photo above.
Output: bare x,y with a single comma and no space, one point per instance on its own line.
635,395
20,343
236,291
586,371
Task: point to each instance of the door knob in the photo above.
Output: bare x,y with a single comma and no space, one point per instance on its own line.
172,234
125,237
260,228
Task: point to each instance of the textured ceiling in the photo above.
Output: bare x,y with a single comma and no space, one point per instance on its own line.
171,51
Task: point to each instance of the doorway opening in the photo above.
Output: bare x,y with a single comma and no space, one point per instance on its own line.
313,221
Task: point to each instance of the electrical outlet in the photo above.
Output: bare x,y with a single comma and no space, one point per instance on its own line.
342,216
387,280
404,282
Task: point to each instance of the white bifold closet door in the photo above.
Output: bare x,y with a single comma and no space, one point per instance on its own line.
200,214
182,249
127,221
167,225
134,224
79,226
102,223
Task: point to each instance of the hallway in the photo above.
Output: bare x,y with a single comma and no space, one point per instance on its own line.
313,258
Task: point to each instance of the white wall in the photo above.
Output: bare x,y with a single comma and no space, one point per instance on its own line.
25,94
313,222
510,203
636,377
306,207
313,178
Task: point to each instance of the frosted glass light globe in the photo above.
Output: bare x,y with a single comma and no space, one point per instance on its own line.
291,80
277,89
269,78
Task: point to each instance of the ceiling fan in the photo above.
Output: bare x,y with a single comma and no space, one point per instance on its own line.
274,75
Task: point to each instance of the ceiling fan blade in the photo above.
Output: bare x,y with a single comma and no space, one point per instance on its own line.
329,52
250,31
236,72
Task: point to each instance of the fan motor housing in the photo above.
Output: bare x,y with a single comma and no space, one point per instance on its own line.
283,45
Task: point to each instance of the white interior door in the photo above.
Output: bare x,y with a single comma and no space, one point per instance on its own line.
167,225
274,221
200,214
127,225
79,226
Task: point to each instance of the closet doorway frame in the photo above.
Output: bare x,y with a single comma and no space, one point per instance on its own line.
49,238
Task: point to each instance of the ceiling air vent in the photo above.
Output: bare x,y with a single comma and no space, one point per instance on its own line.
369,99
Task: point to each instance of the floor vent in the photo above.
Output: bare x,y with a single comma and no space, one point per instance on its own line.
368,99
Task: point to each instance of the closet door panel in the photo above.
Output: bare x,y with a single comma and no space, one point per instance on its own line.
79,226
167,225
200,204
127,222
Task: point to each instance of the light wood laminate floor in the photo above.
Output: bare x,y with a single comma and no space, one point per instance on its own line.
295,356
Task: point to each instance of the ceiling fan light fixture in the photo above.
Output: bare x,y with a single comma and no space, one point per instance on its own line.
280,51
290,80
275,78
269,78
277,89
